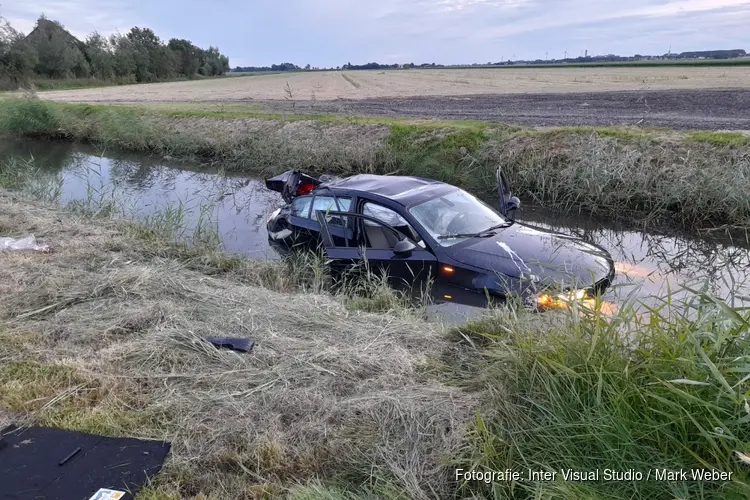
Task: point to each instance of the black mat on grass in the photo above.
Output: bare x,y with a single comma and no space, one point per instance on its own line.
40,463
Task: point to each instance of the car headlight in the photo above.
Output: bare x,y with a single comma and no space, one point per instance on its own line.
560,300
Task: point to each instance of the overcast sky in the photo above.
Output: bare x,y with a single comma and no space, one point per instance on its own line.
334,32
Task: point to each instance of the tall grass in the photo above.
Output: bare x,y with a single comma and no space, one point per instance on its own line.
690,180
625,394
24,174
194,225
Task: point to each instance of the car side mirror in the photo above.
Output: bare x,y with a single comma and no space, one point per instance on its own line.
404,247
513,204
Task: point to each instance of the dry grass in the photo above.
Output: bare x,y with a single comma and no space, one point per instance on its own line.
103,335
313,143
405,83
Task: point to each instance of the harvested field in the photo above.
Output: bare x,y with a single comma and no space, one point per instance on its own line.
713,98
409,83
675,109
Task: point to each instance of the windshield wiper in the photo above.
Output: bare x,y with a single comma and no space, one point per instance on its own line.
481,234
498,226
459,235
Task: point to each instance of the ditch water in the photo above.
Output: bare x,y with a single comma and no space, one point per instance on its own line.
648,263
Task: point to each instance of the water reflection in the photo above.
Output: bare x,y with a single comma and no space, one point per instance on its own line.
661,263
239,206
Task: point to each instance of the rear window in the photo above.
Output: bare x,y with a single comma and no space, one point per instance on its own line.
301,207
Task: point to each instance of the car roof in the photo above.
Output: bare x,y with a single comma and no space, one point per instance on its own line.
402,189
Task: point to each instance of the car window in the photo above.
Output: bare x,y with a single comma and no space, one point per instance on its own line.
390,217
393,219
301,207
327,203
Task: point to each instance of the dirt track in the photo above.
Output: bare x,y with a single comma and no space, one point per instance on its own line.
677,109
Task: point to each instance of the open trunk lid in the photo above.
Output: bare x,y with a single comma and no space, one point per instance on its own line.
292,183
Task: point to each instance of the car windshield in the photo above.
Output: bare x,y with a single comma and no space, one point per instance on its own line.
457,212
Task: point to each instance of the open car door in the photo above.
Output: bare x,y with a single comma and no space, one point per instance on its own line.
383,248
509,204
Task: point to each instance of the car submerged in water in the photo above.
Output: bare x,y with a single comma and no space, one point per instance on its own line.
421,231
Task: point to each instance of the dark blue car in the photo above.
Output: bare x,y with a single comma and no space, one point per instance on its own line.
423,231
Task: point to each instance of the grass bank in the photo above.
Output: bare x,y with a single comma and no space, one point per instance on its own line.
103,335
691,180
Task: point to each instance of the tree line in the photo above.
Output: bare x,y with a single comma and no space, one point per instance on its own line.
274,67
51,52
347,66
587,59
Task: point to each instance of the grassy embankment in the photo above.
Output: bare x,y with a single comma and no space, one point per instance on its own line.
103,336
693,180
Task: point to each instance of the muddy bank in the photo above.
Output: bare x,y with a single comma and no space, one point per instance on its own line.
675,109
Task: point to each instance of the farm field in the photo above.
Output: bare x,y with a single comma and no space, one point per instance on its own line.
714,98
409,83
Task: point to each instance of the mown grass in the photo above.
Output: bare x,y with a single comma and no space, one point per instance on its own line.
691,180
103,335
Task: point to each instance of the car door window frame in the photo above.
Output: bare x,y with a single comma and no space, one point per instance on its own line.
359,234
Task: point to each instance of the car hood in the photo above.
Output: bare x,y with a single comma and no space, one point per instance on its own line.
542,257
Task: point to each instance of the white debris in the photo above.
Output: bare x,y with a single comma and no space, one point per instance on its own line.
27,243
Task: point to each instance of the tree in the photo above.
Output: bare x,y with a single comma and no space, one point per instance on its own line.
52,52
214,63
144,44
100,56
17,57
188,56
124,57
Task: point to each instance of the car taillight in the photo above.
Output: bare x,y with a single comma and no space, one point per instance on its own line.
305,188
